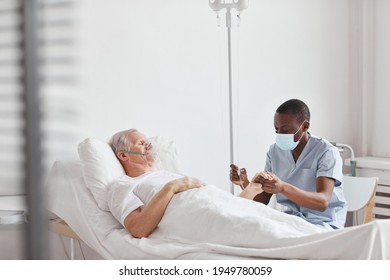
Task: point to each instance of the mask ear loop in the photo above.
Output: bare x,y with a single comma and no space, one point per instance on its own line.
302,132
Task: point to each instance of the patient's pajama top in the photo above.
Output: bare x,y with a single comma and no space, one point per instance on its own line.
318,158
129,193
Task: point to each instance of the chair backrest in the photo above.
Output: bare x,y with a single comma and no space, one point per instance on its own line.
360,194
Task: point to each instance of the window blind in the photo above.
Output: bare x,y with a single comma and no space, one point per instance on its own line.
39,104
11,122
58,86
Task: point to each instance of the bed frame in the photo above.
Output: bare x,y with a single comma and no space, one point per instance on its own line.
60,227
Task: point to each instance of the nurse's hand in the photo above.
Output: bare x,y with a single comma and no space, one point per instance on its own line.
269,181
235,177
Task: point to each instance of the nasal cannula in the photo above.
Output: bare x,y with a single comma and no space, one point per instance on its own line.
133,153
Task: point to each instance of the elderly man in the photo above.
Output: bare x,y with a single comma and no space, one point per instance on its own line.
141,209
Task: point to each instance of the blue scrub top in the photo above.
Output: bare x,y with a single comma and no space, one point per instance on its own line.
318,158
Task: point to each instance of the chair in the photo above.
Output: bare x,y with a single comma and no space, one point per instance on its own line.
360,194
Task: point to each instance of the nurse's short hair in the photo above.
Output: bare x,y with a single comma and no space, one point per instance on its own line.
295,107
120,140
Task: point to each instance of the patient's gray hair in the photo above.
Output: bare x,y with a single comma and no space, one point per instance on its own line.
120,140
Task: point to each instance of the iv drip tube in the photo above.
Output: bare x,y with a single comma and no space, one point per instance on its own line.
231,133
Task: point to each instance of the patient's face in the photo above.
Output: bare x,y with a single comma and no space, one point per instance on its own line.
141,144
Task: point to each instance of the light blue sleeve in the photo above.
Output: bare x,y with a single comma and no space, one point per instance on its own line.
330,165
268,166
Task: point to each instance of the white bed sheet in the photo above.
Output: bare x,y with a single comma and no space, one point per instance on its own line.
71,200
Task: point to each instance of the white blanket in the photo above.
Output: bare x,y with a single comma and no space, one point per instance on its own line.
212,215
207,224
212,220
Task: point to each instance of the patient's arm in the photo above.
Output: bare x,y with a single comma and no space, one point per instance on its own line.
142,222
251,191
255,190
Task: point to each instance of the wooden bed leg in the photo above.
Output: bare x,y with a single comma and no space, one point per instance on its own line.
60,227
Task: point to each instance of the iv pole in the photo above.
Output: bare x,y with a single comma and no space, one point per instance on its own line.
228,5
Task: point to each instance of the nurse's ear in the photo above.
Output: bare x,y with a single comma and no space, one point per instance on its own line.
306,125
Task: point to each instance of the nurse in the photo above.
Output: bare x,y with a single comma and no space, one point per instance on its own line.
302,170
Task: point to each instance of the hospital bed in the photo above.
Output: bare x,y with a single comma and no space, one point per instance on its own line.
76,198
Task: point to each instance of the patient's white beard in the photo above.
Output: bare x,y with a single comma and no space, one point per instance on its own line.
152,159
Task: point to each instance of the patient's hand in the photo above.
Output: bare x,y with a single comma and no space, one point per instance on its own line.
251,191
184,183
262,177
269,181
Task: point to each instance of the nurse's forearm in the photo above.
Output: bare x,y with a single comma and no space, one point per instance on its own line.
312,200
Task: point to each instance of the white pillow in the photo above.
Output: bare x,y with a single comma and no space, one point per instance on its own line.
167,157
101,166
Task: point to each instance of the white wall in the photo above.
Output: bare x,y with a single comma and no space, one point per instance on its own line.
161,67
154,66
293,49
379,135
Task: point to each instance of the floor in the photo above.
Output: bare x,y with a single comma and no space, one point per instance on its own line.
12,246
